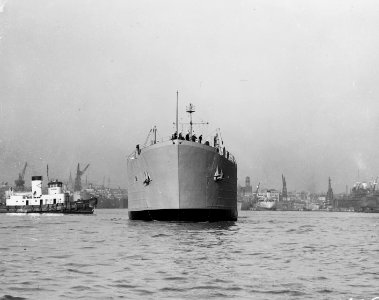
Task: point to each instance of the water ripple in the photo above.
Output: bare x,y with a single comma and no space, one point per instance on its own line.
10,297
264,255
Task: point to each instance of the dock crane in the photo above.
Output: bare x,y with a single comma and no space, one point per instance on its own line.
78,178
20,182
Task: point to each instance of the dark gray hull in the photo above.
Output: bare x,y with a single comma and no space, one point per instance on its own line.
50,210
186,215
84,207
181,183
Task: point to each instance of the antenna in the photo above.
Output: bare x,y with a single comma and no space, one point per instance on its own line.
189,109
155,134
177,104
47,173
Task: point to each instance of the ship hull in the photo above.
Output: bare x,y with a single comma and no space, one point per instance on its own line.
186,215
262,208
265,206
175,180
46,209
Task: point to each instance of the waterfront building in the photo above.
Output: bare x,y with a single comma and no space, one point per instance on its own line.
247,190
329,201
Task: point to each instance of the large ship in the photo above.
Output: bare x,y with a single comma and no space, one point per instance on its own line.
182,178
55,201
267,200
265,204
364,197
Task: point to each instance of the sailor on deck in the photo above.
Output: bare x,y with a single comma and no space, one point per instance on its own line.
215,140
174,136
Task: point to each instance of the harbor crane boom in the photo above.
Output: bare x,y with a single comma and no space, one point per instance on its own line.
78,178
20,182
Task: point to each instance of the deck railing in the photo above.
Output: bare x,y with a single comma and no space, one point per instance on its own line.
220,150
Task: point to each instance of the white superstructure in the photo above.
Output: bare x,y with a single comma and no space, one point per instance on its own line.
55,194
267,199
266,203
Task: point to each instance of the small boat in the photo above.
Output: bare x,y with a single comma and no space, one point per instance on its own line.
55,201
265,203
266,200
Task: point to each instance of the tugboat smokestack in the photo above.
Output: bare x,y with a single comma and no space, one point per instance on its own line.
36,186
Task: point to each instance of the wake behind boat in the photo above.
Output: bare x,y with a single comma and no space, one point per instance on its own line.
182,179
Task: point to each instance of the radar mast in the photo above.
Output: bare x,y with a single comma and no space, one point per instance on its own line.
190,109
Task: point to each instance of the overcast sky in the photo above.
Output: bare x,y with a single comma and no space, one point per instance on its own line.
293,85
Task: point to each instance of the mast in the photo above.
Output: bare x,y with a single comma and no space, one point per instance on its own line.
155,134
177,104
190,110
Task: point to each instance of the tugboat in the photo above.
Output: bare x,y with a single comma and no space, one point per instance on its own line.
55,201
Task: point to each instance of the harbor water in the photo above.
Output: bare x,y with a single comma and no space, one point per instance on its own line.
264,255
